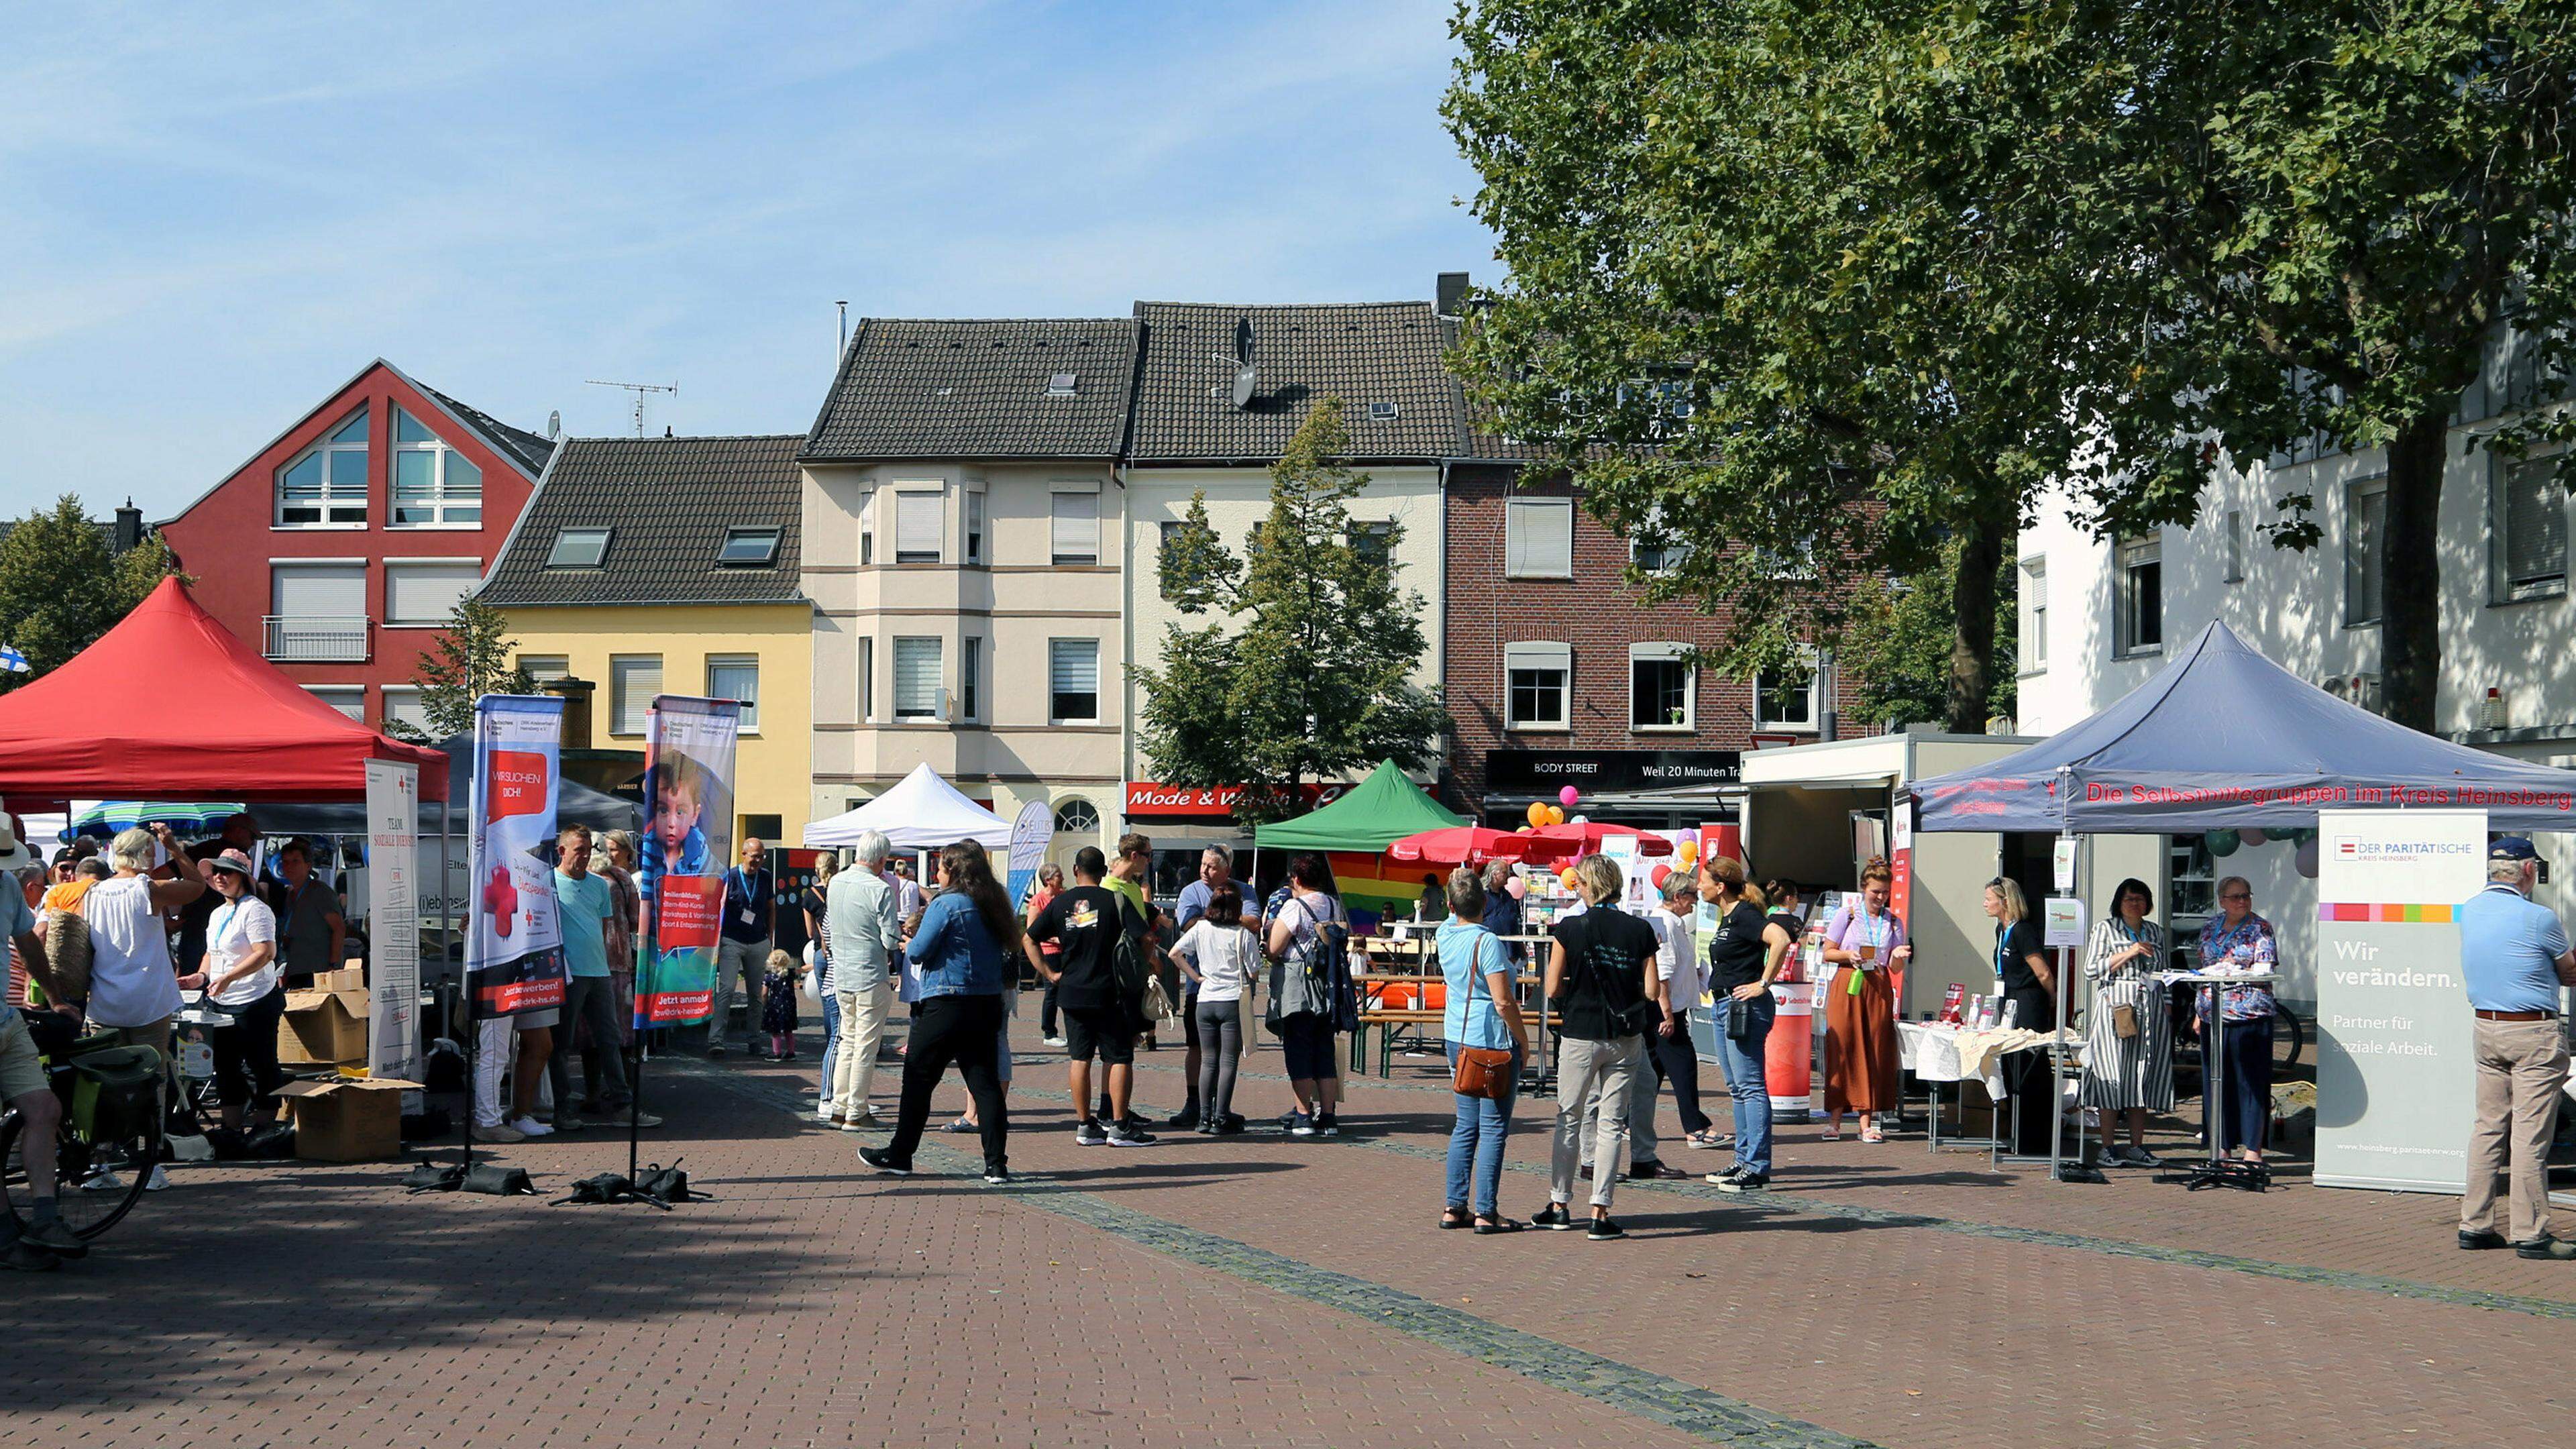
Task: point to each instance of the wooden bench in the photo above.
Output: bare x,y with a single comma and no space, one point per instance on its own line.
1390,1022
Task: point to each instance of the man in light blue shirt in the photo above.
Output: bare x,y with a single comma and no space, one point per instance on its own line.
584,904
862,917
2515,957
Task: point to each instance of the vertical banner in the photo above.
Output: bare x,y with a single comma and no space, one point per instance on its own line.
688,843
1032,830
514,942
2394,1077
393,920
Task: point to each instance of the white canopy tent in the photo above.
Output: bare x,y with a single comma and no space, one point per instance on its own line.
922,812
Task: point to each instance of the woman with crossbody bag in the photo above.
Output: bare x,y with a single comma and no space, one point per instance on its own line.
1308,979
1487,1044
2127,1066
1599,972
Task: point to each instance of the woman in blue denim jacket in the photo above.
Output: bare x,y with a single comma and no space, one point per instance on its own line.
965,934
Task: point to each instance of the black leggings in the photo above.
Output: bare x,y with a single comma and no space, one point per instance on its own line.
1046,1012
246,1069
1306,1042
1677,1061
959,1030
1220,1036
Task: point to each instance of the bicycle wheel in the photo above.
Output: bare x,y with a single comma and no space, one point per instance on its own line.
2289,1038
96,1183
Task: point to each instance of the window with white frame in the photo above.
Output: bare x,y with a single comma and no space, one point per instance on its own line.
1785,700
403,707
748,548
633,680
1538,538
737,677
317,612
1076,816
578,548
1660,687
970,665
1073,681
325,486
1374,542
2530,526
2034,615
920,525
2138,596
1655,549
435,486
348,699
916,677
2365,547
974,525
866,667
2235,545
1538,686
425,593
1076,526
546,668
868,529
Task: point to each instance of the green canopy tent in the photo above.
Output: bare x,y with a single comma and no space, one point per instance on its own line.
1353,833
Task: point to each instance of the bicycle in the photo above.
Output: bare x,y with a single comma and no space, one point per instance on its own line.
90,1195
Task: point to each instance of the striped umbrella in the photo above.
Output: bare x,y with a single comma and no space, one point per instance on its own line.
186,817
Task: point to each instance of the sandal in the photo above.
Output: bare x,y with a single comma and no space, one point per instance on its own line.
1454,1218
1873,1135
961,1125
1496,1224
1830,1134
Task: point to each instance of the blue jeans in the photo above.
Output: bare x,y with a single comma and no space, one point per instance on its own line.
831,1037
1744,1079
1482,1124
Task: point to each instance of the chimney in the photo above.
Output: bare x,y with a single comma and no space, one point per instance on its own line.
129,528
577,695
1450,294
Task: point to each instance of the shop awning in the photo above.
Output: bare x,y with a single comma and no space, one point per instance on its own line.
1378,811
171,703
2224,738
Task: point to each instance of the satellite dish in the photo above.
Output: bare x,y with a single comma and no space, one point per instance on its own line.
554,423
1246,376
1244,379
1243,341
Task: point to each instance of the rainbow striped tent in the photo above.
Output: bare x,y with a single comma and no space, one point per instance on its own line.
1353,834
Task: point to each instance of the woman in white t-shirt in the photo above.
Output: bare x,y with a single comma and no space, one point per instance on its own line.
1221,954
245,981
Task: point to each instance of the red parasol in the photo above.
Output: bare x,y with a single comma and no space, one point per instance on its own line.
1562,842
1462,845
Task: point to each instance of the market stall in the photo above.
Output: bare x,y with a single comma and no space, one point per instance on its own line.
1353,832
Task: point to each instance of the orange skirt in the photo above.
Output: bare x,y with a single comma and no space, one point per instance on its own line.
1860,1043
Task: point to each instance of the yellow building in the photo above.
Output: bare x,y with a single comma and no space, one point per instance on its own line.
649,566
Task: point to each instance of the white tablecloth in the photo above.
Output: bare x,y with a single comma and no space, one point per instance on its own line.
1938,1052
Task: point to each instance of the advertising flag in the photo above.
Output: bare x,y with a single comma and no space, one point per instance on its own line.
688,841
393,920
514,946
1032,830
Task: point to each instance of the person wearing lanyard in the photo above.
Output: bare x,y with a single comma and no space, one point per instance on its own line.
1866,942
239,973
2514,954
2126,1066
742,954
2030,987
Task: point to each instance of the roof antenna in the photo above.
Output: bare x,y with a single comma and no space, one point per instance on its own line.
639,389
844,306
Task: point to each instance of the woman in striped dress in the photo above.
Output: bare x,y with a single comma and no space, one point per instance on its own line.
2128,1066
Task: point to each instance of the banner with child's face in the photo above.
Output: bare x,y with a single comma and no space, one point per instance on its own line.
688,840
514,950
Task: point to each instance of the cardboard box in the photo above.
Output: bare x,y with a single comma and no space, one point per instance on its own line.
323,1028
352,977
353,1119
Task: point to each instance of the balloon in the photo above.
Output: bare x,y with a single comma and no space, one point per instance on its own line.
1581,820
1685,835
1567,796
1555,814
1565,877
1537,813
1659,875
1525,829
1516,888
2307,858
1687,852
2253,837
2221,843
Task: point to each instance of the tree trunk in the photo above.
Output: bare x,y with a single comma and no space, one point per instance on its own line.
1972,627
2410,574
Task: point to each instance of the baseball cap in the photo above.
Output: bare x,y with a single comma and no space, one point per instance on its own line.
2511,847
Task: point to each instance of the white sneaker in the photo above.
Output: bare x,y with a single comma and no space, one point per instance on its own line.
157,1182
103,1180
530,1127
825,1115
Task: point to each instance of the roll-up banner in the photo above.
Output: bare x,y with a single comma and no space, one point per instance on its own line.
514,945
393,920
1032,830
688,840
2394,1076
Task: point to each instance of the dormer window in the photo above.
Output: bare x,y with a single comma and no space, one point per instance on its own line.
326,485
578,548
751,548
1062,384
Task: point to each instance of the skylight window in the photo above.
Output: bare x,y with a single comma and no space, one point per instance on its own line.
1382,412
749,548
578,548
1061,384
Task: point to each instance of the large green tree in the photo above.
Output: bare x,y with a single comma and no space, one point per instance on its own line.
1772,294
1896,646
2338,210
1303,668
60,587
472,657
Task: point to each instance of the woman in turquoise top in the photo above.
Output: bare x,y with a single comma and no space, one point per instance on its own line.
1483,1011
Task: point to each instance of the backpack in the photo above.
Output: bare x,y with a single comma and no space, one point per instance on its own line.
1314,973
66,937
1129,966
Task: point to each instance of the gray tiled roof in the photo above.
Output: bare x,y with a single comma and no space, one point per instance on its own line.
524,446
669,502
1364,354
978,389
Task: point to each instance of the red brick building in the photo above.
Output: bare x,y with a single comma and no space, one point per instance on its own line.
1557,675
340,548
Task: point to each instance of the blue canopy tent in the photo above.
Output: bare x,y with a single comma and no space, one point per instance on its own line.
2223,738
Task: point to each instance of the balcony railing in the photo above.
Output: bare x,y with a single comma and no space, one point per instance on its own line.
316,641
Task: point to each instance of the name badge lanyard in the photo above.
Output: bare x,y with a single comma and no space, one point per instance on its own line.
1879,930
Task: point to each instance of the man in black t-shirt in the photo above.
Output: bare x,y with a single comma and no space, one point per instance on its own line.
1085,923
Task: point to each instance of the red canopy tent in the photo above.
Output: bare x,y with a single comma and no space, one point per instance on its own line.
171,704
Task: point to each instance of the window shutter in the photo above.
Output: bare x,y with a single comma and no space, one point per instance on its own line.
1077,528
427,593
1073,666
2535,527
337,591
920,519
2365,524
916,678
632,683
1538,537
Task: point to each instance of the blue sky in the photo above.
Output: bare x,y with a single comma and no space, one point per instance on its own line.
212,215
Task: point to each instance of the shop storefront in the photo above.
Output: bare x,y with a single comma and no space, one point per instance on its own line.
1184,820
1650,789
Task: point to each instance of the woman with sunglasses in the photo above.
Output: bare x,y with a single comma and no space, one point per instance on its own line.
2239,942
